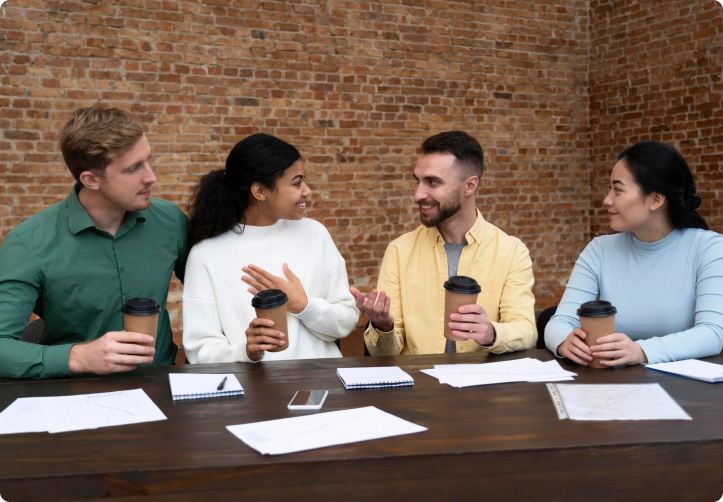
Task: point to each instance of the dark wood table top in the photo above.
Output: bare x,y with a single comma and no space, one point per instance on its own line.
501,421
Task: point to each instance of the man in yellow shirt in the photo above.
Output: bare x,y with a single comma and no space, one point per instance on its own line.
407,308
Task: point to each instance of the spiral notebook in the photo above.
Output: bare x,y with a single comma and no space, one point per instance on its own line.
692,368
199,386
364,378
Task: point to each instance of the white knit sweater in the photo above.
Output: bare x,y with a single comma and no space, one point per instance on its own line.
217,306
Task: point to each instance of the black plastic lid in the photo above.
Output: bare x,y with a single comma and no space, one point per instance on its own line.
141,306
599,308
269,299
462,284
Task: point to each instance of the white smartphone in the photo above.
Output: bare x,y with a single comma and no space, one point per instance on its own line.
308,400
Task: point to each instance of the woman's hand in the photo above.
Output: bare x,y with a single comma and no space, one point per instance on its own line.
261,336
618,349
574,348
261,280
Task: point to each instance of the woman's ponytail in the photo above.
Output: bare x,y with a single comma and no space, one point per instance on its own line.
215,207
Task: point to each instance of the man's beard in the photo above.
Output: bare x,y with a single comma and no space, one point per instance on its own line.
443,214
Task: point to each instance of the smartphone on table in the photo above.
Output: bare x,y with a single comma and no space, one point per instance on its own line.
308,400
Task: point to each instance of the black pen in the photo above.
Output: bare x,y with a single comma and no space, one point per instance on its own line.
222,384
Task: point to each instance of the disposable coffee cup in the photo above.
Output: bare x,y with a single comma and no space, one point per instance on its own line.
597,319
140,315
271,305
459,290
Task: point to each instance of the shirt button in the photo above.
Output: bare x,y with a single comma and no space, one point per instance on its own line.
441,320
438,352
122,269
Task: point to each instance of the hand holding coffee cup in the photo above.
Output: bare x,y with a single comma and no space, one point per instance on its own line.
597,319
463,318
269,331
376,308
618,349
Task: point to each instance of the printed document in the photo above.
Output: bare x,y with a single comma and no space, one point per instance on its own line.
290,435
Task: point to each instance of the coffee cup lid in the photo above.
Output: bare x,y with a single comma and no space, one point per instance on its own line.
598,308
269,299
141,306
462,284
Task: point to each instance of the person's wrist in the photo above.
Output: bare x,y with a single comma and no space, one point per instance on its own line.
488,340
298,308
254,356
383,327
74,359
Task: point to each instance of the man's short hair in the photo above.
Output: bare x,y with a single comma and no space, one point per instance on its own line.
91,139
466,149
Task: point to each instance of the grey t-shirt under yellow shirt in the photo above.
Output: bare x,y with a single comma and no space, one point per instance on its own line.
454,251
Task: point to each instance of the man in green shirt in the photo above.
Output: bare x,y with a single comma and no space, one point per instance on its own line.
76,262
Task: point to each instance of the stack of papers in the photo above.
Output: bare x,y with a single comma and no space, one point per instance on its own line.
518,370
73,413
615,402
360,378
290,435
200,385
692,368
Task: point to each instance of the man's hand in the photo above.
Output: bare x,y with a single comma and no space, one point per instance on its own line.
114,352
374,308
260,337
261,280
472,323
575,349
618,349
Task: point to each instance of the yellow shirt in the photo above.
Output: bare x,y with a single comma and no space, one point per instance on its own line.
414,270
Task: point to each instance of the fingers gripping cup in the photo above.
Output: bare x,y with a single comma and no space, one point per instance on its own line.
271,304
597,319
140,315
459,290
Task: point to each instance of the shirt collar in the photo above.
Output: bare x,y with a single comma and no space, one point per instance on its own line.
79,219
475,233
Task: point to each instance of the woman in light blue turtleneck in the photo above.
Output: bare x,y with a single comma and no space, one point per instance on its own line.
663,270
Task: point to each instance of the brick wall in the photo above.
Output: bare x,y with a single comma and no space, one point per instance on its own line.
655,73
357,86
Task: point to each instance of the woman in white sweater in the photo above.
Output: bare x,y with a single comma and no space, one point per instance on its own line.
248,234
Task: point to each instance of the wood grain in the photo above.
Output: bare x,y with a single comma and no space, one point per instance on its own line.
501,442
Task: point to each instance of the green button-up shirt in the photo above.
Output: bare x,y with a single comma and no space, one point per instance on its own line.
76,278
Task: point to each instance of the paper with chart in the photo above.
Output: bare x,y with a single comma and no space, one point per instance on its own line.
90,411
290,435
24,415
517,370
619,402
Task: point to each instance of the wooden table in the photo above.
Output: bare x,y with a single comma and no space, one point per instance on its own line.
500,442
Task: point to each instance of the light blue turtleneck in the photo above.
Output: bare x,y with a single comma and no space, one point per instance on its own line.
668,294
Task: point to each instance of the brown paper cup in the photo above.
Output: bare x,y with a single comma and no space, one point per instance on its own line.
452,303
146,324
278,315
594,328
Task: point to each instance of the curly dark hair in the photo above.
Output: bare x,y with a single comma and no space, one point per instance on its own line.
220,198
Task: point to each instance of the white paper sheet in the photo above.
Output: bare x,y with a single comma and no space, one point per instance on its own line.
619,402
24,415
90,411
290,435
692,368
200,385
518,370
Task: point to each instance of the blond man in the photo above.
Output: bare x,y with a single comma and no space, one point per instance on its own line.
76,262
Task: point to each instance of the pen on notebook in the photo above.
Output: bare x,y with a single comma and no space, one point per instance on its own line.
222,384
